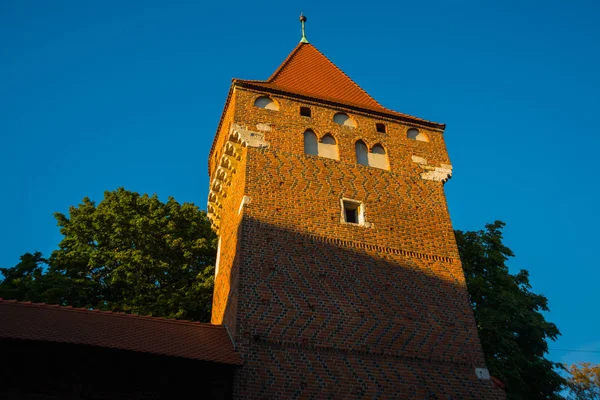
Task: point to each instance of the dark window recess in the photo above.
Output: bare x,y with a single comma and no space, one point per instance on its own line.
351,212
351,216
380,128
305,111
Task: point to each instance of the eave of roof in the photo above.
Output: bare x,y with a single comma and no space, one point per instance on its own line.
52,323
374,111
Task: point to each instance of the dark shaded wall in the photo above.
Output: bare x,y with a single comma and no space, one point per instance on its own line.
40,370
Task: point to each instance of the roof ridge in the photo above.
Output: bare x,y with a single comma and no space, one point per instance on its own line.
108,313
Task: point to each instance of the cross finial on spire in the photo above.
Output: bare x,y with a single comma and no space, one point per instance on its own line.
303,20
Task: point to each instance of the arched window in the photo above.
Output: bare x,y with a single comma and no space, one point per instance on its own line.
266,102
362,154
328,147
414,134
378,157
310,143
344,119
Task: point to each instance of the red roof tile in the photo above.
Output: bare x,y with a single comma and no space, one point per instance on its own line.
307,72
194,340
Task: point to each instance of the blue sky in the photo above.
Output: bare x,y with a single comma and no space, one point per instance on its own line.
97,95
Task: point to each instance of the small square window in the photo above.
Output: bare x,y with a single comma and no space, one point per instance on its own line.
352,212
305,111
380,128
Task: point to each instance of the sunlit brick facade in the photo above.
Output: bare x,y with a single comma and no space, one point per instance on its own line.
319,305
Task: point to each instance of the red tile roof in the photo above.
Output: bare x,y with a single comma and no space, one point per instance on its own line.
307,72
194,340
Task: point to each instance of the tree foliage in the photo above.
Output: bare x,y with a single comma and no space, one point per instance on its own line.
130,253
23,281
584,381
509,316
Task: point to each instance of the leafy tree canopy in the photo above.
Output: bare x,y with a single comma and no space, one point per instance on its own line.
130,253
511,325
584,381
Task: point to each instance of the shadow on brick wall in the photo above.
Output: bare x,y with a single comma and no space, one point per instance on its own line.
43,370
316,317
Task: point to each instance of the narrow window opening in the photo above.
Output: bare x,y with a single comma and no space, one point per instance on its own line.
378,157
344,119
266,102
362,154
352,212
351,215
414,134
328,139
310,143
305,112
380,128
378,149
328,147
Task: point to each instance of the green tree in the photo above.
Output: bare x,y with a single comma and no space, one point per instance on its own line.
584,381
130,253
23,281
512,328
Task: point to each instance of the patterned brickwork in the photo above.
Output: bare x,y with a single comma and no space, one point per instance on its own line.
319,308
303,192
301,372
300,290
287,124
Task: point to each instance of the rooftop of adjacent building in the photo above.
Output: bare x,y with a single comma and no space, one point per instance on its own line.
105,329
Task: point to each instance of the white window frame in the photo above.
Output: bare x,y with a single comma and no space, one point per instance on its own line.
360,210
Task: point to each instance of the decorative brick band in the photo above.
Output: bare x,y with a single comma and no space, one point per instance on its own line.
381,249
232,154
238,139
282,344
433,173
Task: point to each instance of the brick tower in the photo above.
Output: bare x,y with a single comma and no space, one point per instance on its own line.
338,274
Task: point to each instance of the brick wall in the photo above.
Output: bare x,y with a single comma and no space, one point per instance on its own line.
325,309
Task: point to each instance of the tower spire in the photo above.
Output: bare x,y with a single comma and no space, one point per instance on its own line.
302,21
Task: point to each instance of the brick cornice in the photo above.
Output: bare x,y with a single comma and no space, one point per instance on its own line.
366,111
370,353
233,153
381,249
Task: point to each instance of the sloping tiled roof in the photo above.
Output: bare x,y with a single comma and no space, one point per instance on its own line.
307,72
43,322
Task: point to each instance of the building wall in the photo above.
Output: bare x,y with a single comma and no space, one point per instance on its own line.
226,292
333,310
405,211
36,370
225,297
